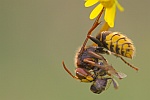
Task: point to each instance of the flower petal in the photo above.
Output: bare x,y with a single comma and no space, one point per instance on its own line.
89,3
104,0
96,11
110,15
119,6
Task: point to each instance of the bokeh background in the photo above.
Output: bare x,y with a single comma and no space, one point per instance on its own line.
36,35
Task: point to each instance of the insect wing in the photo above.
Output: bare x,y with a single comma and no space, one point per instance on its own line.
109,81
115,83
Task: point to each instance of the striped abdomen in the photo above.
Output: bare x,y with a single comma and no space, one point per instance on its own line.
117,43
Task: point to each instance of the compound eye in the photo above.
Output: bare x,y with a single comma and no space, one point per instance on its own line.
84,75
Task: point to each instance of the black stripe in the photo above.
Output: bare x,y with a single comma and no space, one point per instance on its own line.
104,35
117,48
111,45
122,52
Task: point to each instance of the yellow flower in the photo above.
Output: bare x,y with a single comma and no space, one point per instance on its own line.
110,9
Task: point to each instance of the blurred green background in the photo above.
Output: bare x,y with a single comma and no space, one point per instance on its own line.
36,35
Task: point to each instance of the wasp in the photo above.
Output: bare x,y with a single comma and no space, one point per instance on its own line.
88,61
88,57
91,66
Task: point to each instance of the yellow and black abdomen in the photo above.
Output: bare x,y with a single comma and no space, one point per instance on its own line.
117,43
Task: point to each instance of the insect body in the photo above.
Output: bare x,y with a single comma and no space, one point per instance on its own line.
117,43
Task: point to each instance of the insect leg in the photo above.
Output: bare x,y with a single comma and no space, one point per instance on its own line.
106,66
92,63
98,56
135,68
96,23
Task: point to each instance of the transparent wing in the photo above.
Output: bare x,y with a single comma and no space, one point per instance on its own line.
115,83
